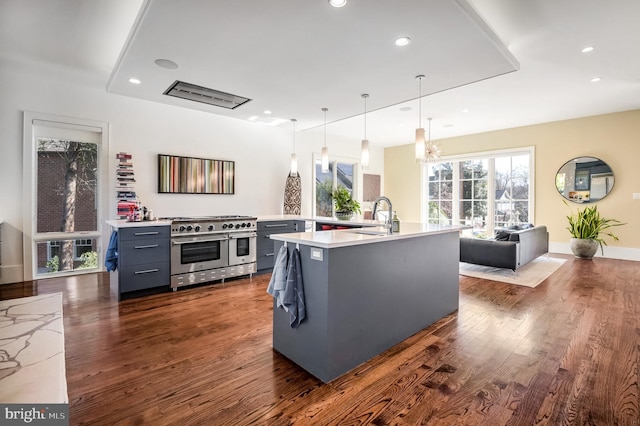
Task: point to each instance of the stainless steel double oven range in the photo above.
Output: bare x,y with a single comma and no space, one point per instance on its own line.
211,248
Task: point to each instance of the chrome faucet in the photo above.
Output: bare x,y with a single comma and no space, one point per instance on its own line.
387,222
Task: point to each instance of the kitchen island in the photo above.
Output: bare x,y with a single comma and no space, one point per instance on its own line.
365,291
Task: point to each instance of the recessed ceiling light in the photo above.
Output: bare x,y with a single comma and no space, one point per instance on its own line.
448,125
166,63
267,112
405,109
465,110
337,3
134,80
587,49
595,79
403,41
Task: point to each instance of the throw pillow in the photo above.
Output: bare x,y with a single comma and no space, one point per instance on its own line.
503,236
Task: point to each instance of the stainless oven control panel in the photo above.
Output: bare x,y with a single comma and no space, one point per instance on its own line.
204,227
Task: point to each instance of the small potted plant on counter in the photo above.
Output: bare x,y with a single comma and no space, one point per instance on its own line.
344,203
587,228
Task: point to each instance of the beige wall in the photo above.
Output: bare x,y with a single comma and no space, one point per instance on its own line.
614,138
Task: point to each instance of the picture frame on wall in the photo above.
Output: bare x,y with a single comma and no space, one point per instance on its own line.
190,175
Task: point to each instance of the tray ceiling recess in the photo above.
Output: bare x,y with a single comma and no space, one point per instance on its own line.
294,57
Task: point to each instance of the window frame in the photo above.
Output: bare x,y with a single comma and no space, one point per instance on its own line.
357,178
31,238
491,155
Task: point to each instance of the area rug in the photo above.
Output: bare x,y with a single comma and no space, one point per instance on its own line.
32,364
530,275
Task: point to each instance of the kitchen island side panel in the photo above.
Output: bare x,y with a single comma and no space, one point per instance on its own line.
399,288
373,296
306,345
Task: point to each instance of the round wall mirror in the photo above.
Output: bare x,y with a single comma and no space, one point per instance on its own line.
584,180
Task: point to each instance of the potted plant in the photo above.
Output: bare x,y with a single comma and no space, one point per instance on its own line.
587,227
344,203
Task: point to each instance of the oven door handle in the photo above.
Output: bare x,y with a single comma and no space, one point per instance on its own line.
245,235
178,243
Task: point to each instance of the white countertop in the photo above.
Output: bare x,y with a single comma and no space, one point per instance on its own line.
274,217
121,223
353,237
356,220
33,370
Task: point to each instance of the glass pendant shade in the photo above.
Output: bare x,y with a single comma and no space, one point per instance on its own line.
420,145
365,153
325,159
294,165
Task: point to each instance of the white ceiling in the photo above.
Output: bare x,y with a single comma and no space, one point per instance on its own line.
295,57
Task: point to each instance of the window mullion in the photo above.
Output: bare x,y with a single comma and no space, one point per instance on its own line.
491,197
455,193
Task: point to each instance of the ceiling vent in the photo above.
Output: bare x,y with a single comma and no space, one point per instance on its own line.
191,92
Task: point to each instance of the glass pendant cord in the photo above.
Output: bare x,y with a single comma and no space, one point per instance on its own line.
325,126
420,77
365,96
293,170
325,151
364,149
420,142
293,120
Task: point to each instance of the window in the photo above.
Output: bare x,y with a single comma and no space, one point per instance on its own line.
342,172
484,191
440,194
512,190
64,160
80,247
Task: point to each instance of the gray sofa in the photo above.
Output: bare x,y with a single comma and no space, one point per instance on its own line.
512,248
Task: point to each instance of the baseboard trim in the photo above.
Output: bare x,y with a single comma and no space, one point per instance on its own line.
610,252
11,274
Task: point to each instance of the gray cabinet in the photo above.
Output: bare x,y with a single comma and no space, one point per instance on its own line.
265,251
144,258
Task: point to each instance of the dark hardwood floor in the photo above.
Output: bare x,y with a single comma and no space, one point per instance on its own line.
566,352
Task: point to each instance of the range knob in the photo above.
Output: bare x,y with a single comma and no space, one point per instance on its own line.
237,226
248,224
181,228
244,225
189,228
196,228
224,226
211,228
230,226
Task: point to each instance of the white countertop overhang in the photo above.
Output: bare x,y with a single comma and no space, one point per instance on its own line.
353,237
120,223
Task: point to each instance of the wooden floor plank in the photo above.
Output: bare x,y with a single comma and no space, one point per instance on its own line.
565,352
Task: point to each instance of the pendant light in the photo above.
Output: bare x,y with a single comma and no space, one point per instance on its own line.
294,158
325,151
365,142
420,146
432,149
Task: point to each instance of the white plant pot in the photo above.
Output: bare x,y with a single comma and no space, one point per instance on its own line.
583,248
